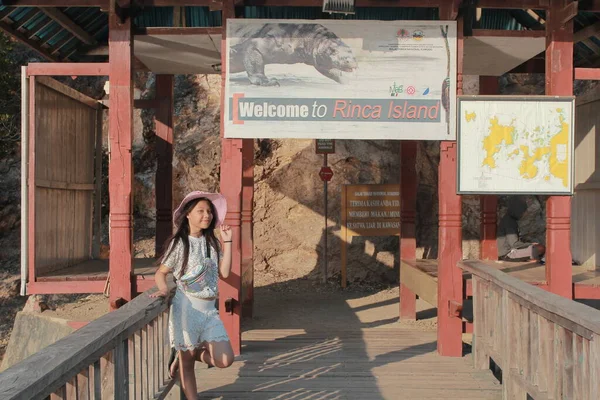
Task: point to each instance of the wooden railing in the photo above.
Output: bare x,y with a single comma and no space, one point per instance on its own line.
547,346
121,355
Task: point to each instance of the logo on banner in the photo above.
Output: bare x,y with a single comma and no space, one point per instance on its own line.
403,34
418,35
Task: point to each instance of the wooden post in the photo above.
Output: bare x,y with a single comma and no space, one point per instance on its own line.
488,247
408,243
559,82
450,282
231,188
120,166
247,227
31,256
164,163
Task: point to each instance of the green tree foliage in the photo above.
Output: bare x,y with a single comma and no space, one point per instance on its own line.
10,98
12,56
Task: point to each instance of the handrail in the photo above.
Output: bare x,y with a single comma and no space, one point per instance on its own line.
115,339
547,346
558,309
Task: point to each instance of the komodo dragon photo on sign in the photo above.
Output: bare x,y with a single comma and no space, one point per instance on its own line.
254,46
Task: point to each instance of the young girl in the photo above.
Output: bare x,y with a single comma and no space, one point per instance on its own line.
195,258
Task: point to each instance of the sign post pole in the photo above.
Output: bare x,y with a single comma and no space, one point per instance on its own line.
325,146
325,233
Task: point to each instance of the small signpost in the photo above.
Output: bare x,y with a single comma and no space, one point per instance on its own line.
325,146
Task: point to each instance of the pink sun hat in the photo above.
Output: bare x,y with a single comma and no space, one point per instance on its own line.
217,199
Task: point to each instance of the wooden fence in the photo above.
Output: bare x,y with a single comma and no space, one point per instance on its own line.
547,346
122,355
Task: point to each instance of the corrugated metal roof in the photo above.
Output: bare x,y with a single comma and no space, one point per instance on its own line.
202,16
63,45
56,41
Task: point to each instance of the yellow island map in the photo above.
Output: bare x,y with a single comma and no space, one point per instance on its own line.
515,146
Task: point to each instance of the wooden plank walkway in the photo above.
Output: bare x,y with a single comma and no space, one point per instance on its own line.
359,352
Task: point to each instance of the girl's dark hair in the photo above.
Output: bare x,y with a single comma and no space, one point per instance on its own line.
183,231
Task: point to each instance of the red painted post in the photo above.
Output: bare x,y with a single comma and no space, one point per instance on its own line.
247,288
231,188
559,82
488,247
450,281
120,166
450,253
164,162
408,243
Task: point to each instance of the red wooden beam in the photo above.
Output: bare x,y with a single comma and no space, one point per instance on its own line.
488,245
591,74
586,292
164,155
559,82
231,188
141,285
590,5
508,33
408,243
359,3
68,69
70,287
54,3
516,4
212,30
449,9
247,266
450,280
120,166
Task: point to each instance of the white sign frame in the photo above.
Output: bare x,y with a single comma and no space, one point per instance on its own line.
402,116
465,179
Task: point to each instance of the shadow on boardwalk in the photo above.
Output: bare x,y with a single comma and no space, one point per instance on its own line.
319,342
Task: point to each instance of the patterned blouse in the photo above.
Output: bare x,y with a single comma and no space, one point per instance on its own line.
202,272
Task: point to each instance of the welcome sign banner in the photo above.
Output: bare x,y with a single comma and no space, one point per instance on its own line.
330,79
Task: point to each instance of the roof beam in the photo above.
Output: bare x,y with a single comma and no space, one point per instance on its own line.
53,3
6,12
449,10
204,30
522,4
29,43
589,5
507,33
69,25
28,17
586,32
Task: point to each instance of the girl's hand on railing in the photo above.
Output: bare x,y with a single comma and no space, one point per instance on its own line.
159,293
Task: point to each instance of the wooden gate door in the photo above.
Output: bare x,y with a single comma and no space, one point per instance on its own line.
60,210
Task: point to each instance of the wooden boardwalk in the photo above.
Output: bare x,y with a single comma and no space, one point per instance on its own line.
359,352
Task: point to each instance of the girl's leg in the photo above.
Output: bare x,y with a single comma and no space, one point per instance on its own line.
188,377
217,354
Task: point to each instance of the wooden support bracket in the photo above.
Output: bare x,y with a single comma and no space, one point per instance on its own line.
454,309
569,12
117,303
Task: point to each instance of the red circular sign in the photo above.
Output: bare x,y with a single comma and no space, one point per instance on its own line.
326,174
411,90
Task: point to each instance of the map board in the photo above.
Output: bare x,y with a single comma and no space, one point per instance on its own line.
515,145
368,210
